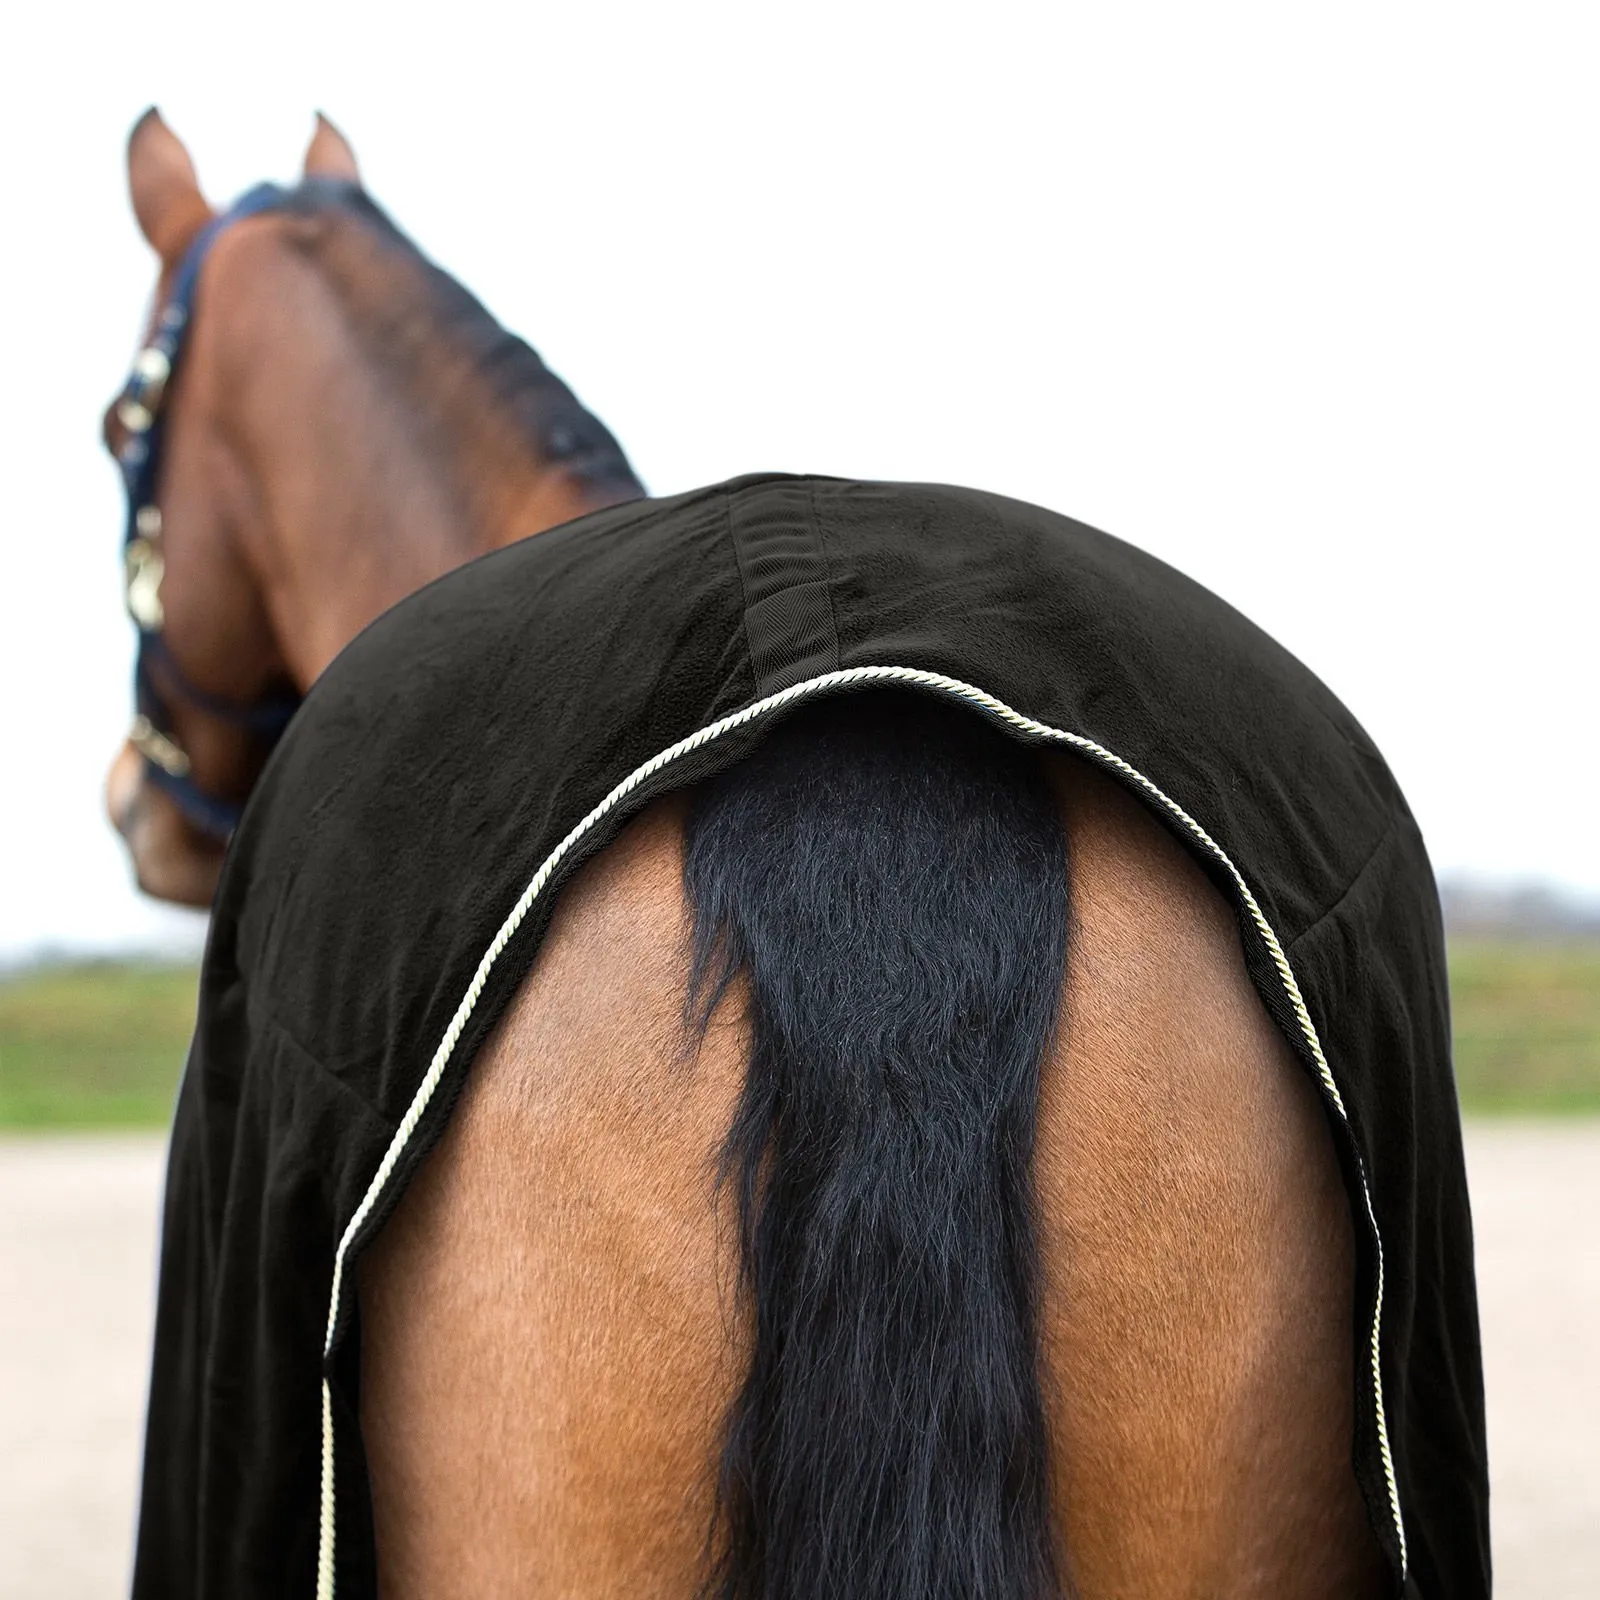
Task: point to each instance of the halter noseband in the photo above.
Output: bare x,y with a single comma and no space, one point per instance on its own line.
140,412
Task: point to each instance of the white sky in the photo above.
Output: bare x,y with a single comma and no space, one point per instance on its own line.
1302,299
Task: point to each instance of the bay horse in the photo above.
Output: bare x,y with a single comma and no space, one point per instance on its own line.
847,1215
284,527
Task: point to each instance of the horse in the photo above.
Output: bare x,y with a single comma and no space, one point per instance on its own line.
286,524
886,1180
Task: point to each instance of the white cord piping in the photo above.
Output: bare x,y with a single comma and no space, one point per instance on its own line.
844,678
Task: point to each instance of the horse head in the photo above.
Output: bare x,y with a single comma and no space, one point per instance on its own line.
317,423
212,687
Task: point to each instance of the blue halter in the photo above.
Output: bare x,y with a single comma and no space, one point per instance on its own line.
140,411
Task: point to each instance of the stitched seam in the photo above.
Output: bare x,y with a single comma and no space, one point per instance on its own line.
744,589
827,568
260,1013
1350,888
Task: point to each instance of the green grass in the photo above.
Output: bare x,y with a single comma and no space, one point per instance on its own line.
93,1045
102,1045
1527,1023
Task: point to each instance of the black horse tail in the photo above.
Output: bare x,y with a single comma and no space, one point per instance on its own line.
889,874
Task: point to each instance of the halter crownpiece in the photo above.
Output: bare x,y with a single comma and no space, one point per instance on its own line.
139,410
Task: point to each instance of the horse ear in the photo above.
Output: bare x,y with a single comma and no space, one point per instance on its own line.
329,154
162,184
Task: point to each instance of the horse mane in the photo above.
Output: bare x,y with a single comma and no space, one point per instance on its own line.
434,336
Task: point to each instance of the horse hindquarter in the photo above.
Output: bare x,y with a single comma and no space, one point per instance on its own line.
1196,1234
569,1323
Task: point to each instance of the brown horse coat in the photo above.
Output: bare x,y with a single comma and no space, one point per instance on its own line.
396,871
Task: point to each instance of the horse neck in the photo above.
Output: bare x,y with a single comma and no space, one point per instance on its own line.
374,452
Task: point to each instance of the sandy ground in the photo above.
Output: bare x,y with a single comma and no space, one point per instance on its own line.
77,1251
77,1270
1536,1213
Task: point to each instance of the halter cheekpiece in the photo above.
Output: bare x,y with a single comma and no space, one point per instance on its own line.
140,411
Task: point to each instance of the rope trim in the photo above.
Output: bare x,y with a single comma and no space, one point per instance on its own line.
325,1522
845,678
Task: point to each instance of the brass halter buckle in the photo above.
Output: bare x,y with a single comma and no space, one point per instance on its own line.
142,570
157,748
151,369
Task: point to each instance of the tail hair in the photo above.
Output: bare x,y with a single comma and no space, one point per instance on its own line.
888,874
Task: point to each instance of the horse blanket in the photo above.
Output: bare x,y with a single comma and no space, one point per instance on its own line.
394,872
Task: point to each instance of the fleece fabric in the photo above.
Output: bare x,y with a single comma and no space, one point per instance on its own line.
435,771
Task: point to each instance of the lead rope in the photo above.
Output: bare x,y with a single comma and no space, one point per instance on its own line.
845,678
